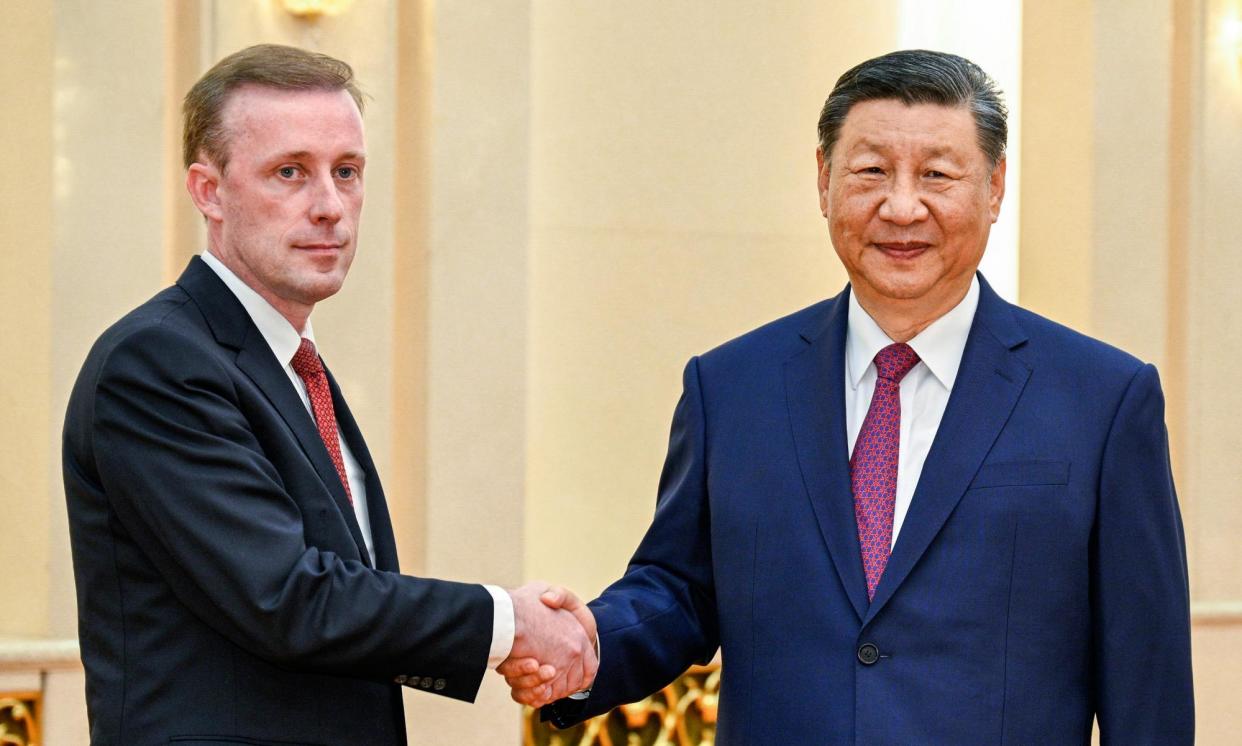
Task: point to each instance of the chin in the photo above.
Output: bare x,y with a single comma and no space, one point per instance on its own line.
901,288
320,289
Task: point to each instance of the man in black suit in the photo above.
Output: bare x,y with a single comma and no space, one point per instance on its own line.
236,570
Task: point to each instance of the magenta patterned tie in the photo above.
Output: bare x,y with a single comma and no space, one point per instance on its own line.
309,367
873,466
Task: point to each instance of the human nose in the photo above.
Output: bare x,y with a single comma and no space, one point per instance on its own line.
326,204
903,204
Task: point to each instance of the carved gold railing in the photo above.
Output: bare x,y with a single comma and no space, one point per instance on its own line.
19,718
681,714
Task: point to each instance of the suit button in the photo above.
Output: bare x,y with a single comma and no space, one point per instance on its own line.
400,679
868,654
425,683
440,684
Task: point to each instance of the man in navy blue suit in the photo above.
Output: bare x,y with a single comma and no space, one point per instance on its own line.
236,567
912,513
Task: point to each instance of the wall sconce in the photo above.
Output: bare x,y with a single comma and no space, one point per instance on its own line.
316,8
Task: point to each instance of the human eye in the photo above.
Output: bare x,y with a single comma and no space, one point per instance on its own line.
346,172
934,174
287,172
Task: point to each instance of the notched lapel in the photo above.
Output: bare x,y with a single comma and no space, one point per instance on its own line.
815,395
232,328
256,360
989,383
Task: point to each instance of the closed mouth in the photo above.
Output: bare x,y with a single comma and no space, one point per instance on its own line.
902,249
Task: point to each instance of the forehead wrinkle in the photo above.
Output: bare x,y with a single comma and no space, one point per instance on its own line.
924,151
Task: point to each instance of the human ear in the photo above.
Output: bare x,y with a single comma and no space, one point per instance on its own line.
996,189
823,165
202,181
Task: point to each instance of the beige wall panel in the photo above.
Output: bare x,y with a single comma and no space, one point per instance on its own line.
1215,318
1055,263
406,478
622,312
478,290
1217,661
26,464
688,116
1129,295
64,708
673,207
476,327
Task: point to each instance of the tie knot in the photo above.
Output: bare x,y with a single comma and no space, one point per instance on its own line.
895,361
306,361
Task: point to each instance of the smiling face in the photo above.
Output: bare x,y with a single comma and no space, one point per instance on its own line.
910,198
284,214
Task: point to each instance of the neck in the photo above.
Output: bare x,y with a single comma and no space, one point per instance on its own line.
903,319
293,312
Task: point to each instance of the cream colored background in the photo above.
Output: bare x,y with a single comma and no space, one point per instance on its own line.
565,201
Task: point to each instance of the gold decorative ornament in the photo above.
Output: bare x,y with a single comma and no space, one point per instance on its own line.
19,719
681,714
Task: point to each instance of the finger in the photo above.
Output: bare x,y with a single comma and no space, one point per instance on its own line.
531,697
558,597
573,677
592,669
530,680
517,667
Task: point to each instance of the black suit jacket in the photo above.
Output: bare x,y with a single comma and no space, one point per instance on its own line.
224,591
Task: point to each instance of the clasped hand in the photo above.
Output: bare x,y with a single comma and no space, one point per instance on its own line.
553,652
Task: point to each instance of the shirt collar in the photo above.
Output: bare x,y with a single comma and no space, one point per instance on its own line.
939,346
276,329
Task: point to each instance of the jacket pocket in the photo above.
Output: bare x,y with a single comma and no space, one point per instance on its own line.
1022,474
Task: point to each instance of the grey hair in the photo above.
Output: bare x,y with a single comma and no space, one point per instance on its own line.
919,76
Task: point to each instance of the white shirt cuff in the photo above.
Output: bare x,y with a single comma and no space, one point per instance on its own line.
502,626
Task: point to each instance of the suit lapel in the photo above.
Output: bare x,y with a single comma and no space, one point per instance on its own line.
377,507
815,394
989,382
233,328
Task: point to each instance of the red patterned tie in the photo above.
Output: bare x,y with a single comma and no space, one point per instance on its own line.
309,368
873,466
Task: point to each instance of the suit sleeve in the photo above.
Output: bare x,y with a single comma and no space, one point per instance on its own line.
660,617
190,484
1141,603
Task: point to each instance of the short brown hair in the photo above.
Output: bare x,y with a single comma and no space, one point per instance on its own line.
268,65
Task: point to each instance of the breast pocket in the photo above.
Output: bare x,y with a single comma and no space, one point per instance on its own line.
1022,474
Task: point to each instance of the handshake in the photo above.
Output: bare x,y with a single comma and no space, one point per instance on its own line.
554,653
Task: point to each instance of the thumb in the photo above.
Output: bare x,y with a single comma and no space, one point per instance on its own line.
559,597
562,598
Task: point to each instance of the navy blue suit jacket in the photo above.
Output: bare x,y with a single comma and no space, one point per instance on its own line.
1039,577
224,591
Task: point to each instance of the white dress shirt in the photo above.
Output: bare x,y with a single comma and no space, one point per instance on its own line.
284,342
924,391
